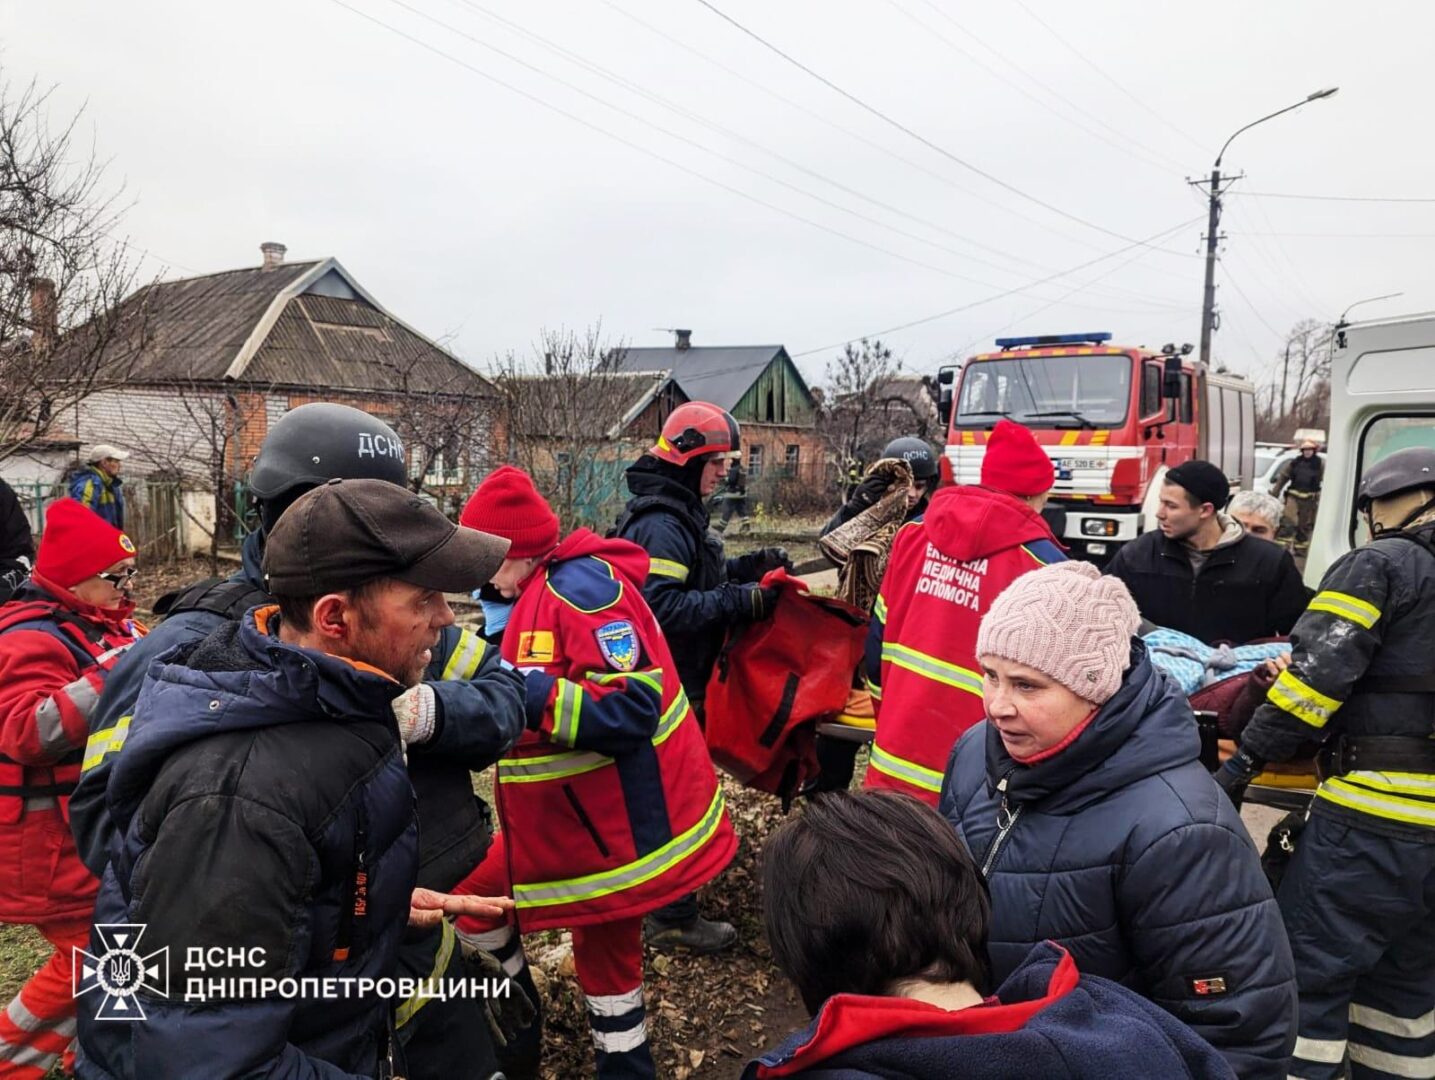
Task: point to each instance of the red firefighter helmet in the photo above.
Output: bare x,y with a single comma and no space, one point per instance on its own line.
695,429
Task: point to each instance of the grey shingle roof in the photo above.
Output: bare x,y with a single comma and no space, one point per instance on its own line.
305,324
719,374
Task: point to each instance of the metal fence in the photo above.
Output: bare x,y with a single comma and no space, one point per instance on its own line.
155,518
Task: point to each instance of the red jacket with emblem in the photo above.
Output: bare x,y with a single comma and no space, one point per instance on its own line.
54,653
943,574
610,800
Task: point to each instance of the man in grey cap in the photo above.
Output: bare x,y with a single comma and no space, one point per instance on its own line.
98,484
266,824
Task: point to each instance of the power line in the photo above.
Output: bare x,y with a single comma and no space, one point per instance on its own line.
1249,303
885,118
1018,69
748,80
637,146
1333,198
996,296
1344,235
1100,69
677,137
1048,306
721,129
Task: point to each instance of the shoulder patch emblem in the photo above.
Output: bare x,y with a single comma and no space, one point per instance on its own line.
535,647
618,642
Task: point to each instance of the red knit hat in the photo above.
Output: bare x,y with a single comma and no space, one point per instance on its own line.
1015,462
77,544
507,504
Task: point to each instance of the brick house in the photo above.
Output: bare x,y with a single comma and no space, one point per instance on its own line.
225,355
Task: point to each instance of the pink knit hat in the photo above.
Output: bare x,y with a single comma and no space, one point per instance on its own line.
1068,622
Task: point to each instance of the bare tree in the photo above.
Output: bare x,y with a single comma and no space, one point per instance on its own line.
445,415
566,407
1298,392
199,452
867,402
60,274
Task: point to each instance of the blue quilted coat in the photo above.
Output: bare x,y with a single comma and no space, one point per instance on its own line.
1122,849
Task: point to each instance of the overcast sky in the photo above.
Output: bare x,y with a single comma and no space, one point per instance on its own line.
487,168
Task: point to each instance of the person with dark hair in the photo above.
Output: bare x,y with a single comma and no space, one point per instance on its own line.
1201,573
696,592
876,912
17,544
1083,799
468,711
265,812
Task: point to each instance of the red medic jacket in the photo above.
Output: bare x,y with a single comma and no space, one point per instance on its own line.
54,653
943,574
610,800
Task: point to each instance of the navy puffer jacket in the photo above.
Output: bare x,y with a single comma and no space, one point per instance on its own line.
261,803
1122,848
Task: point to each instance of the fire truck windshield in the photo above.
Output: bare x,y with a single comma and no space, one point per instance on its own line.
1046,391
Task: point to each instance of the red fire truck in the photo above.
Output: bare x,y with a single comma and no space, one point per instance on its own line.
1113,418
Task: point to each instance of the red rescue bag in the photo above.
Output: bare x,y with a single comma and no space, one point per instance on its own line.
775,679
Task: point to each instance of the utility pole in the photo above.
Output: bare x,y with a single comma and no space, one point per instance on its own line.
1213,237
1213,221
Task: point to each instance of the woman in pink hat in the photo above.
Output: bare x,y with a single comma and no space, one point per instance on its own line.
1084,804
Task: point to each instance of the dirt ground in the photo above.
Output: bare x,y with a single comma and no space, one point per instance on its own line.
706,1016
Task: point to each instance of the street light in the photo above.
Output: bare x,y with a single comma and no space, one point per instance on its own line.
1208,305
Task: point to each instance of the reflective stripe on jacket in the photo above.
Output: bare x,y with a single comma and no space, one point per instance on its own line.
942,575
1373,619
610,798
50,680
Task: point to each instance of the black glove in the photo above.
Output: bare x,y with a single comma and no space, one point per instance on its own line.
754,564
771,559
761,602
1236,774
869,492
507,1016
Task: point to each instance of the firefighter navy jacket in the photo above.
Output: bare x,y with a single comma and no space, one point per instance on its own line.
263,804
695,592
54,653
1373,620
942,576
1045,1021
610,801
1122,849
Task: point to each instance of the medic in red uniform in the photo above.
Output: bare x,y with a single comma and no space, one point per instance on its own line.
59,636
609,803
943,573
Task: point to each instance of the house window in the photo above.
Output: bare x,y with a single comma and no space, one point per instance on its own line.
754,461
792,458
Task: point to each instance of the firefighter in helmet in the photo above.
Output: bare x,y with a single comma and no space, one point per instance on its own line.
1359,895
917,453
695,591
